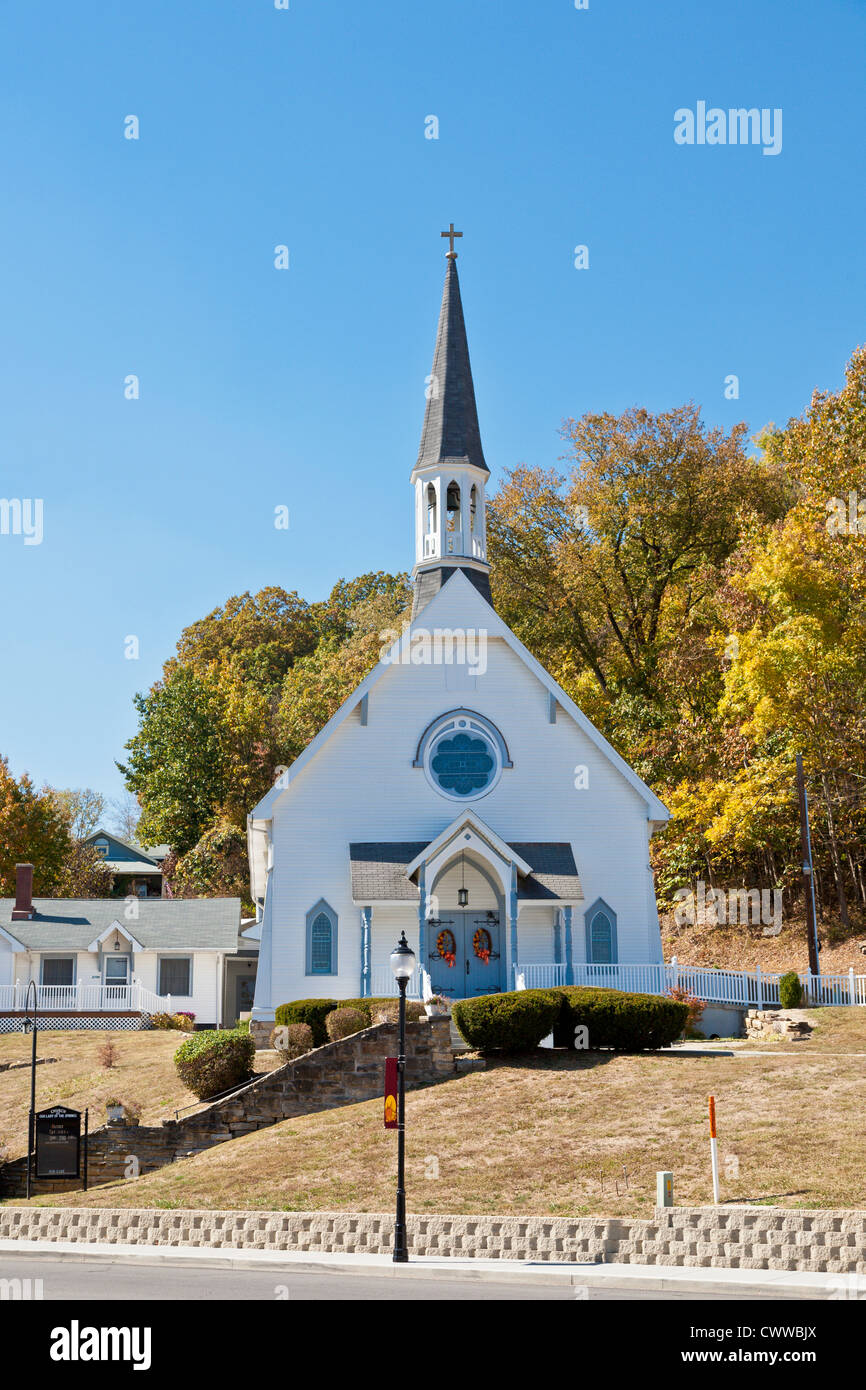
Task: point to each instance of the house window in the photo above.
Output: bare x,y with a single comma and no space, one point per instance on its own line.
601,945
58,970
321,940
175,975
101,847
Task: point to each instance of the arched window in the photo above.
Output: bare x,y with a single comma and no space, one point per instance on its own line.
473,509
321,939
452,507
601,944
431,507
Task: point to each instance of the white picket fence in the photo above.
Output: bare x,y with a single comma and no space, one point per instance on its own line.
85,998
748,988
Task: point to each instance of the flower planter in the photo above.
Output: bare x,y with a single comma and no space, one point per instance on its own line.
437,1010
114,1113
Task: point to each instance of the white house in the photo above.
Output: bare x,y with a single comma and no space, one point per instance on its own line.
459,794
99,962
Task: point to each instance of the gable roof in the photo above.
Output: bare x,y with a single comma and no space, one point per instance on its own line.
143,859
73,924
460,587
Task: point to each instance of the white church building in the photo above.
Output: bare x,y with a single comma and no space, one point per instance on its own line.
458,794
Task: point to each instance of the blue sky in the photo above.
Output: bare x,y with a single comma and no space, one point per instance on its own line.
260,387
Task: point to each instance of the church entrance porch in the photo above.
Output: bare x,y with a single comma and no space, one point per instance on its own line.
465,956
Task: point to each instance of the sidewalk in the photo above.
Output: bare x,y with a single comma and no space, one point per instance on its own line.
724,1283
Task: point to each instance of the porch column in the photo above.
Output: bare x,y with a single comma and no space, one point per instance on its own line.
423,965
366,968
512,916
569,948
557,937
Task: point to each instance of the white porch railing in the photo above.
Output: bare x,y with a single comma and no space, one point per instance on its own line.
84,998
748,988
384,986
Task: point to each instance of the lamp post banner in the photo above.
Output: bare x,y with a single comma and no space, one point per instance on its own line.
390,1092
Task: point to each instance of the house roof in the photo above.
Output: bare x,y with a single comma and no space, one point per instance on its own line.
71,924
132,866
379,871
145,858
451,432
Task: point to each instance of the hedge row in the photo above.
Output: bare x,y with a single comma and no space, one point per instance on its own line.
315,1012
517,1022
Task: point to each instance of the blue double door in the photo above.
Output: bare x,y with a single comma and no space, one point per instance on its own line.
464,953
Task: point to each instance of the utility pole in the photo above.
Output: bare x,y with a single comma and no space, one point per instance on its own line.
808,876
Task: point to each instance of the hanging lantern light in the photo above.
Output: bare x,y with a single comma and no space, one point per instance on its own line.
463,891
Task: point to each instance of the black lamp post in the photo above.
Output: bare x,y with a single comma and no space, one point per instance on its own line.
402,964
29,1026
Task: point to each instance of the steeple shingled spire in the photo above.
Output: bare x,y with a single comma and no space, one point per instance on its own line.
451,432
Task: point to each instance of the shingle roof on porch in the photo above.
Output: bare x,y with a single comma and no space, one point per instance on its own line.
379,871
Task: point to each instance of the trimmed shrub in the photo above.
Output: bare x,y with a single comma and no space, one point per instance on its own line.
790,990
311,1011
292,1040
315,1011
389,1011
343,1022
211,1062
613,1018
508,1023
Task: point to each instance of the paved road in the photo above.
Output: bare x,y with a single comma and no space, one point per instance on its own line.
75,1279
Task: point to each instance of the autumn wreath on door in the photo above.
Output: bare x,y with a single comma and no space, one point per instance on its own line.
446,947
482,944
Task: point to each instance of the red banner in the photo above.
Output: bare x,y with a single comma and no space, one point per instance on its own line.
390,1092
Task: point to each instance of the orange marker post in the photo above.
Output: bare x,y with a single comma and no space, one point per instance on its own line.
714,1150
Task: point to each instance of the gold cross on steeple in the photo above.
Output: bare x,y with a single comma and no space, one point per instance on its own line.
451,234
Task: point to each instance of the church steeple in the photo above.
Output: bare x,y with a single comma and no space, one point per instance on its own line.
450,475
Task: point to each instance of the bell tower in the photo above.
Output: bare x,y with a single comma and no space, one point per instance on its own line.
450,476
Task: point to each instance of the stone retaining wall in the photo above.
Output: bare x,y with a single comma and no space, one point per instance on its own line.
833,1242
340,1073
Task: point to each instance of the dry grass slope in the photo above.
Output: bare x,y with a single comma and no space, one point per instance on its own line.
552,1134
144,1072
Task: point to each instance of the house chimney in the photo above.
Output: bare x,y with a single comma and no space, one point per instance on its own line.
23,909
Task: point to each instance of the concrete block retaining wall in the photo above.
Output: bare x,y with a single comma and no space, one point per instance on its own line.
340,1073
833,1242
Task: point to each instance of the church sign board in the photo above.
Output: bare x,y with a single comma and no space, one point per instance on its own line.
58,1142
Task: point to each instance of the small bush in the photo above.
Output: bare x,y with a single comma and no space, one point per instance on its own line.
311,1011
242,1025
790,990
211,1062
292,1040
342,1023
389,1011
695,1008
613,1018
107,1054
315,1011
508,1023
132,1112
183,1022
